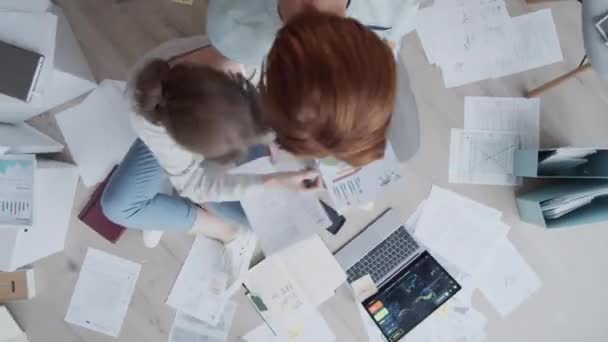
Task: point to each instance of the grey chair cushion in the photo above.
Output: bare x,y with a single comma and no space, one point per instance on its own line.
404,133
595,46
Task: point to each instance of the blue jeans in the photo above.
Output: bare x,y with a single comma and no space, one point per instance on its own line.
133,197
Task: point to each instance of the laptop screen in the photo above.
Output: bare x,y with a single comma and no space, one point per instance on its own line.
411,296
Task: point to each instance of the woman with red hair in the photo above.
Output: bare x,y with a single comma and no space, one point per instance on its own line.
330,80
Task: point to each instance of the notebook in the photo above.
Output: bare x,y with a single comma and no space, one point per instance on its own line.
19,71
93,216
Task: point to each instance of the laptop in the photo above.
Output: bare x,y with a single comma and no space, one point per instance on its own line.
19,71
411,283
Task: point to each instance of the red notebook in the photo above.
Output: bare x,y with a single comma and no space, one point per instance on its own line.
93,216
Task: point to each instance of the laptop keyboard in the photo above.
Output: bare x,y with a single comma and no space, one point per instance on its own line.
384,258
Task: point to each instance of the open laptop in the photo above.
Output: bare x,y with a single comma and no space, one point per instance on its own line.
411,283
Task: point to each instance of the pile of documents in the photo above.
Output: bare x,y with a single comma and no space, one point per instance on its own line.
471,242
557,207
356,186
494,128
566,161
473,40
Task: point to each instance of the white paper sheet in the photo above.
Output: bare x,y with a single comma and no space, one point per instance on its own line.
473,40
483,157
200,285
261,333
506,279
103,292
450,323
306,325
17,190
189,329
533,42
280,218
459,229
23,138
35,31
311,264
98,131
505,114
356,186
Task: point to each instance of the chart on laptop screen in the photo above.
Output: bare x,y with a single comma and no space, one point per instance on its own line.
411,296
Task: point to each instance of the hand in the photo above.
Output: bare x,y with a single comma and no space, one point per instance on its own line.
294,181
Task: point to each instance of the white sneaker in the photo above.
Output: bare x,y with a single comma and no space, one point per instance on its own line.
152,238
239,254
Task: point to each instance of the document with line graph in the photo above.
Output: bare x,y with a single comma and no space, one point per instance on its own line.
482,157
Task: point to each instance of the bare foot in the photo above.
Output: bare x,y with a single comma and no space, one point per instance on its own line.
214,227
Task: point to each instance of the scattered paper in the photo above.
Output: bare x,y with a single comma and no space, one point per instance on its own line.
280,218
98,131
483,157
355,186
314,268
23,138
103,292
39,37
503,114
473,40
364,288
306,325
201,283
17,189
189,329
506,279
459,229
450,324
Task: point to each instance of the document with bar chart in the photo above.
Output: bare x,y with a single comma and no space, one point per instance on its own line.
354,186
17,189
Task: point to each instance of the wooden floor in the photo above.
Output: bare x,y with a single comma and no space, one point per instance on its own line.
570,307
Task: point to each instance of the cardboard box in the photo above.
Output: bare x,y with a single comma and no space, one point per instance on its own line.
18,285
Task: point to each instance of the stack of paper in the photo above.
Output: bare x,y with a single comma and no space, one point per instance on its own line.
473,40
355,186
469,239
560,206
280,218
494,128
103,292
98,131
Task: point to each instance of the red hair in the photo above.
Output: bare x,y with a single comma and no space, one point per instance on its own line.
329,88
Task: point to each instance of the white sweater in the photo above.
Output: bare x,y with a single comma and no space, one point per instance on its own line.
188,172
